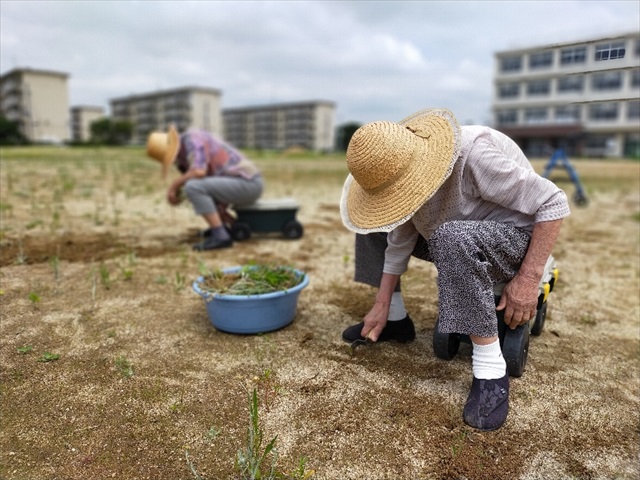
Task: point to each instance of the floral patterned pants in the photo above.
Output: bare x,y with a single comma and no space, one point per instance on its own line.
470,257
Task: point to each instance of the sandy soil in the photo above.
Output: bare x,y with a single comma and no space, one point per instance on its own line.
97,269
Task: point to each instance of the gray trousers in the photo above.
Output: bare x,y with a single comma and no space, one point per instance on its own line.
470,257
204,193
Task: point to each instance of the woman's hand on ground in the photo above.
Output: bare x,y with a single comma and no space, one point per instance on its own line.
173,195
375,321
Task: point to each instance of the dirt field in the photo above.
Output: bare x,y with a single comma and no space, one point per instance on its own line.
111,369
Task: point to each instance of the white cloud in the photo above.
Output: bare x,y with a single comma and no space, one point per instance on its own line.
375,59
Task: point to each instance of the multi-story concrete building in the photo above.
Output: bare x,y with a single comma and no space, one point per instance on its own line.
582,96
308,125
82,116
38,100
187,107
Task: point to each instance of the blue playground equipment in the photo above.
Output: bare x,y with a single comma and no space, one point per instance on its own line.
559,156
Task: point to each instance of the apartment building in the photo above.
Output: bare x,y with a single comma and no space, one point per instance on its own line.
38,100
82,116
187,107
308,125
583,96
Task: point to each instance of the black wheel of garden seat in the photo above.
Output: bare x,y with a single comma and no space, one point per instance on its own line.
538,322
240,231
292,229
515,349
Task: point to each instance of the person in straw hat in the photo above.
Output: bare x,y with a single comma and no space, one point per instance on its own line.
467,199
213,175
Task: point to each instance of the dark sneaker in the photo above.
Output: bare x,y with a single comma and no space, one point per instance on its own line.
211,243
488,403
401,331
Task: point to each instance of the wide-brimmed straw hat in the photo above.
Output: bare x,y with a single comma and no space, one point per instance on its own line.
163,147
396,167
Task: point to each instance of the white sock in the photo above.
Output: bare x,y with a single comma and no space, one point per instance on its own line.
396,309
488,362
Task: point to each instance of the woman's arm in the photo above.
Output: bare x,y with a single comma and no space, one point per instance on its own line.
376,319
173,193
520,296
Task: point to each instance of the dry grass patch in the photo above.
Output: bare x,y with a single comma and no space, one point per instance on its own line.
96,269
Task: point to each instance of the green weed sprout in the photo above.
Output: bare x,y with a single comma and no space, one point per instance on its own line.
48,357
301,473
124,366
55,220
249,461
94,287
34,297
33,224
212,433
192,466
54,262
21,259
105,276
127,274
180,281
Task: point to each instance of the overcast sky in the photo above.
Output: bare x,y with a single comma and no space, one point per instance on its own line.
377,60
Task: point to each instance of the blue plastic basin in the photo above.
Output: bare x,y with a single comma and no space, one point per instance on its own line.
251,314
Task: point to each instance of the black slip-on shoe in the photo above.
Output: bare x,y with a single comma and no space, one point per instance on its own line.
206,233
488,404
211,243
401,331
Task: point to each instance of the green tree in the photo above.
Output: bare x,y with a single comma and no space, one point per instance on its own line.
111,132
10,133
344,133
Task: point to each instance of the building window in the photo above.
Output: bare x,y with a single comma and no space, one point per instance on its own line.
569,56
603,111
540,60
508,90
535,115
568,114
539,87
607,81
633,110
507,117
511,64
635,78
610,51
637,48
596,144
571,83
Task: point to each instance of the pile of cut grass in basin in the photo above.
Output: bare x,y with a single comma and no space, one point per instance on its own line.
252,280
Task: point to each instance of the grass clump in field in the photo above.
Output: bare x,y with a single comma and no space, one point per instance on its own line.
251,280
257,461
124,366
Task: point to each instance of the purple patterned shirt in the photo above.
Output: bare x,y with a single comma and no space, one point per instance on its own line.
203,151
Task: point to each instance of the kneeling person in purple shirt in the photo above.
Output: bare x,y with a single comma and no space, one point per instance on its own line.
213,175
467,199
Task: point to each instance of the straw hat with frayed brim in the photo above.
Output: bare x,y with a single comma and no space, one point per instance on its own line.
396,167
163,147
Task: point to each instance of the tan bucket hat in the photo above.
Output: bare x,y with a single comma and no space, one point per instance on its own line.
396,167
163,147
